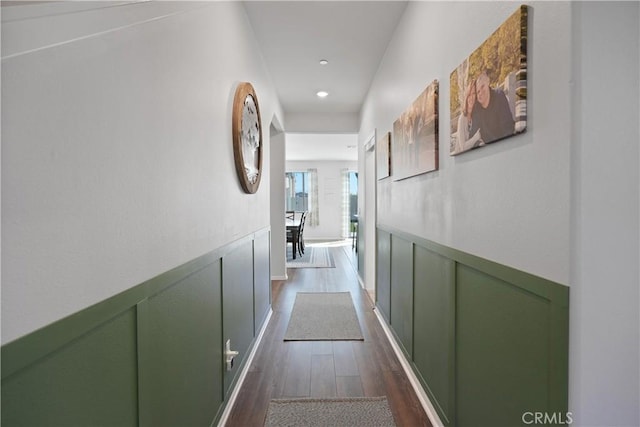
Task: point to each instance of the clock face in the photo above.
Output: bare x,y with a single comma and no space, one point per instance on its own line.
247,137
250,135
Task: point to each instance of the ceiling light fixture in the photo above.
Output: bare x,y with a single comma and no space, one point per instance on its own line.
323,62
322,94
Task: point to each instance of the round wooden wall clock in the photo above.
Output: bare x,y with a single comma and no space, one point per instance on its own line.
247,137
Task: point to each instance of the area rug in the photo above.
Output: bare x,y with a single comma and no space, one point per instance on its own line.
357,411
313,257
323,316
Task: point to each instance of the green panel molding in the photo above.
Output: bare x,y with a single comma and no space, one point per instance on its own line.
262,285
434,316
489,342
91,381
181,352
540,286
502,342
383,274
151,355
402,291
237,307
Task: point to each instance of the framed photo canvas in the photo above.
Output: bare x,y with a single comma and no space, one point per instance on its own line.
383,156
415,136
489,88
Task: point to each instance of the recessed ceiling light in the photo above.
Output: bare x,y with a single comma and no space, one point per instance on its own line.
322,94
323,62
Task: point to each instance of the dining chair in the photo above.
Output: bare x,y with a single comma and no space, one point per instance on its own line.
292,237
303,220
354,232
295,237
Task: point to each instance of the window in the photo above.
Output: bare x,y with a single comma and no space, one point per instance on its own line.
349,201
353,194
297,191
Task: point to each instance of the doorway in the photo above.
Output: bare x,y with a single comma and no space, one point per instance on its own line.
367,220
352,178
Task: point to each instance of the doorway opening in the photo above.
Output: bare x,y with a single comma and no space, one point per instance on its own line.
349,202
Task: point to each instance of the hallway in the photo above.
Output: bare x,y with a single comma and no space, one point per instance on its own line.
323,368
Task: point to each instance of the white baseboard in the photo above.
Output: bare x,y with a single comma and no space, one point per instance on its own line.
415,383
243,373
285,277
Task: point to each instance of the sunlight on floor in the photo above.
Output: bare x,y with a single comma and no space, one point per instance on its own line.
329,244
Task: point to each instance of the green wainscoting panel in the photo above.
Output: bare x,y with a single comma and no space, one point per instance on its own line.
91,381
181,352
502,341
488,342
149,356
402,291
237,303
434,317
383,274
262,286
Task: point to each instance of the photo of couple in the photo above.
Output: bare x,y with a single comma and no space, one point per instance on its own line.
488,90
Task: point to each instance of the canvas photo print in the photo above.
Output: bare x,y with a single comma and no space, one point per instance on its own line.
415,136
488,89
383,156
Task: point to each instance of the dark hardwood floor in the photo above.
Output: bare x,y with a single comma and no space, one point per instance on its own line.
324,368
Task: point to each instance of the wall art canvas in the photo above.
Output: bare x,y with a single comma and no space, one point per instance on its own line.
415,136
383,156
489,89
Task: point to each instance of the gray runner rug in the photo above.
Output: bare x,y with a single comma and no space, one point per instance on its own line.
338,412
323,316
313,257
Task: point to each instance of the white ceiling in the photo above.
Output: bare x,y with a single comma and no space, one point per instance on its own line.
319,146
295,35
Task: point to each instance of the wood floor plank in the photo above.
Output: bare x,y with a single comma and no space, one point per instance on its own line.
297,374
369,370
345,359
323,376
349,386
322,347
404,404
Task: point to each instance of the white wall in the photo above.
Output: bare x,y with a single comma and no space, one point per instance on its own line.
278,228
605,307
508,200
329,196
117,161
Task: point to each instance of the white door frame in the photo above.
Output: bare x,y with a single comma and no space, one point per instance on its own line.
367,233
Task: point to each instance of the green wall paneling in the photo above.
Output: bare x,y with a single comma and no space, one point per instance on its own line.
504,333
98,366
503,352
402,291
262,286
89,381
181,352
25,351
383,274
237,303
434,305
